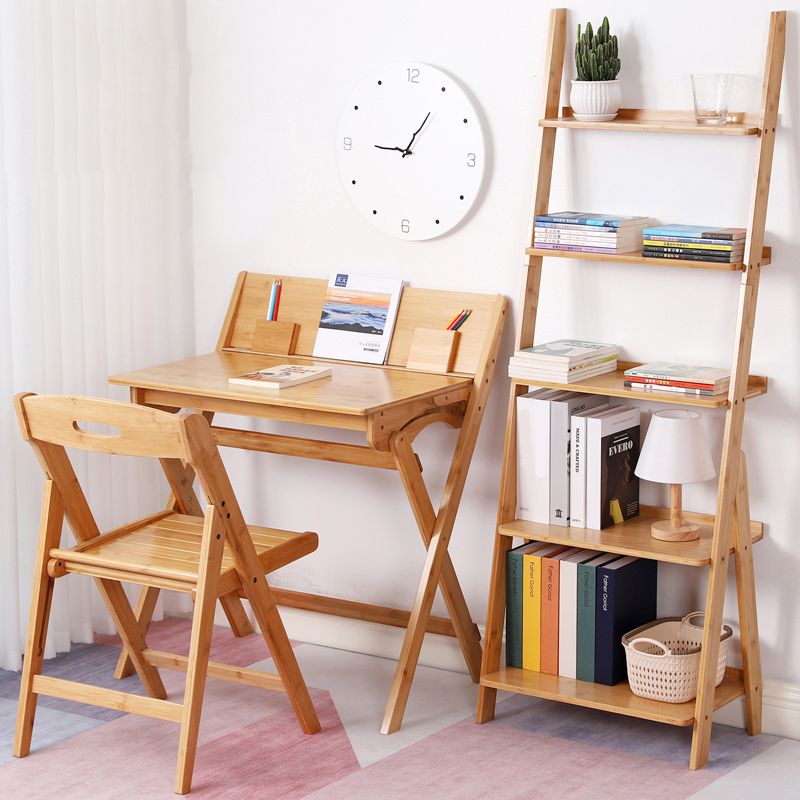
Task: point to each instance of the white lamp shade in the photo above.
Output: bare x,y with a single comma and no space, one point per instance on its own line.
675,449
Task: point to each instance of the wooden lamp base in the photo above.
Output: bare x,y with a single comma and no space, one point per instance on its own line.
675,529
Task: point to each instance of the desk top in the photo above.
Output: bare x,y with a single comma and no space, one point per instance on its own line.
353,389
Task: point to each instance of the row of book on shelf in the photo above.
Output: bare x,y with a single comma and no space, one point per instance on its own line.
609,234
576,452
567,609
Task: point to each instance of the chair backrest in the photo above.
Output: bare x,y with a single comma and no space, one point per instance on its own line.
302,299
66,420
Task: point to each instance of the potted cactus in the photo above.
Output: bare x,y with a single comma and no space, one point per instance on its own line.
596,95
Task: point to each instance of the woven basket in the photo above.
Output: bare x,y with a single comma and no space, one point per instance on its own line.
664,658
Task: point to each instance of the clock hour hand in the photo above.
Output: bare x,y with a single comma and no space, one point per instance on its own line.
399,149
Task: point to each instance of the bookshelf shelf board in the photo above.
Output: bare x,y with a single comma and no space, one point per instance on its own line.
613,385
658,121
618,699
631,538
638,258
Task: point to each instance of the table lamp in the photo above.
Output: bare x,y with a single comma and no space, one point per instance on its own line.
675,451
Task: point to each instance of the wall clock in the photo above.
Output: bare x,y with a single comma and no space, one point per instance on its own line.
410,150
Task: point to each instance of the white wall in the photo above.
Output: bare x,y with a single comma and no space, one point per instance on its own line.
268,81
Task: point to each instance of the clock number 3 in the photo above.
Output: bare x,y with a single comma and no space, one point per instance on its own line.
413,75
470,159
347,143
405,226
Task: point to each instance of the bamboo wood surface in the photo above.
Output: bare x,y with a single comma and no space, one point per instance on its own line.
632,537
352,389
532,275
301,302
746,596
613,385
618,698
659,121
729,471
638,258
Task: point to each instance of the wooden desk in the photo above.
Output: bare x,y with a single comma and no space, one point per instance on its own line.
391,404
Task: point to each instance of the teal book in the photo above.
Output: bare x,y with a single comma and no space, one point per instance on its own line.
514,593
587,593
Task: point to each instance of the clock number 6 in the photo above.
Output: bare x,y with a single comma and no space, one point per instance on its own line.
470,159
405,226
413,75
348,143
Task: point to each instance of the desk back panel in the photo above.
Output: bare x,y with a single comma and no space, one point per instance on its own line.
302,299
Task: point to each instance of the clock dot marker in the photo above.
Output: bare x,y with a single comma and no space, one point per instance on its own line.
461,197
355,108
443,89
437,221
353,182
379,83
374,211
465,120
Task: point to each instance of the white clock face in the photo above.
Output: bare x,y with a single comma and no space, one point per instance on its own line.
410,150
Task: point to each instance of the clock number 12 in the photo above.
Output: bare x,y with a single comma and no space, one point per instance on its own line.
413,75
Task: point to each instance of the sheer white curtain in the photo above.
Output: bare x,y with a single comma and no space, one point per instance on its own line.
95,252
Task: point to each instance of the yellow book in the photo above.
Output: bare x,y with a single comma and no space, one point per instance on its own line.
532,604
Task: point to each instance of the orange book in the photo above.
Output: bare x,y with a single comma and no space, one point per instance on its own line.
549,610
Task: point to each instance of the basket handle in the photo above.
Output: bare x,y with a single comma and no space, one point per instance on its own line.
655,642
687,620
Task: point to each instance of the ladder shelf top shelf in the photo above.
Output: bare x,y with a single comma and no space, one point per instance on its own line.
659,121
638,258
618,699
630,538
613,385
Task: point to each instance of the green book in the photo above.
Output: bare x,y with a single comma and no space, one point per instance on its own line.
587,584
514,591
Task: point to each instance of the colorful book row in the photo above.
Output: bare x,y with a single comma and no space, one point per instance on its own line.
567,609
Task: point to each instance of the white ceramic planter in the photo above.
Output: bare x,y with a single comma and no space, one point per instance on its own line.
595,101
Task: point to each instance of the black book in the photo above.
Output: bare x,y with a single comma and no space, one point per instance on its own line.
626,592
691,251
715,259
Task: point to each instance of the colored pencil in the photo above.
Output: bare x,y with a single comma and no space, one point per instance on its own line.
277,299
463,319
271,306
455,319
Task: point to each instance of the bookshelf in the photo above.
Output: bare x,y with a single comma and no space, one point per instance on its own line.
729,532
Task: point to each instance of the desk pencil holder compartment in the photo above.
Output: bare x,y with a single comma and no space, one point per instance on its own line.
433,349
275,337
664,658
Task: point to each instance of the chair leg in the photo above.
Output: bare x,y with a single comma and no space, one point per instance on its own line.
145,606
236,615
197,667
41,598
269,620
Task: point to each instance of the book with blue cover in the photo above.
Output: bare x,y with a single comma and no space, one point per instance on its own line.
587,576
626,594
696,232
598,220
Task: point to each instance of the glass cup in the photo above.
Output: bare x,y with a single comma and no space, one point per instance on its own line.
712,94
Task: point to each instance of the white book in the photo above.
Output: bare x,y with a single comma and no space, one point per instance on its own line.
564,377
577,465
281,376
358,316
568,611
525,445
613,422
567,351
561,412
540,511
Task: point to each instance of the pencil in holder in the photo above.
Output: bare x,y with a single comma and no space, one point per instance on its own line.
275,336
433,349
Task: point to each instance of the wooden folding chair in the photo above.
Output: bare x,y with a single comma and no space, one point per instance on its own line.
211,556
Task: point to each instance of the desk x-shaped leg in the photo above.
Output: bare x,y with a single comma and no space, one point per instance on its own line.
436,530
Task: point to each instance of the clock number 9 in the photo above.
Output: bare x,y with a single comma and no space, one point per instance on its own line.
348,143
413,75
405,226
470,159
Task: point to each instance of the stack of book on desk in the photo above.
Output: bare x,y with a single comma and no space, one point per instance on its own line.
579,232
694,243
563,361
664,376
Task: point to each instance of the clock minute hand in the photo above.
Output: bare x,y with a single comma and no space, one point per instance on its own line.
407,151
381,147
